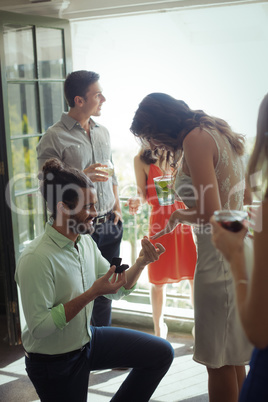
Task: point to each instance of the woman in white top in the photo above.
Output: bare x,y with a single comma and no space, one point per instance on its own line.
210,177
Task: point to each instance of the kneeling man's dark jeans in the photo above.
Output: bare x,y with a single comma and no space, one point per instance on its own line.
65,379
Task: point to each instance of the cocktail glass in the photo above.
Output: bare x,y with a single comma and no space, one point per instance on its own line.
164,189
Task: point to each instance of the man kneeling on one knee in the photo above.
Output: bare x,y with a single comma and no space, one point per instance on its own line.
60,273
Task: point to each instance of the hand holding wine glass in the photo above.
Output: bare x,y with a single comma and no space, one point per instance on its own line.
106,168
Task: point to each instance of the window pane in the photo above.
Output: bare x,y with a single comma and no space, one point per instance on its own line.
25,166
22,102
30,217
19,53
52,103
50,53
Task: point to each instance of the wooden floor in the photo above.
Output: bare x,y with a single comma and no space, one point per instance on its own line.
185,380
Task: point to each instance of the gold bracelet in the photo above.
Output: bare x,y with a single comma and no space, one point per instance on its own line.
241,282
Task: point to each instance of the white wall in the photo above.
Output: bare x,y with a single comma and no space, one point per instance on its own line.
215,59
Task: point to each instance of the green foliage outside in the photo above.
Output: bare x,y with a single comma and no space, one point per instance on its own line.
25,170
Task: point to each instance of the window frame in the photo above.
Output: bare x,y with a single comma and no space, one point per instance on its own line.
9,233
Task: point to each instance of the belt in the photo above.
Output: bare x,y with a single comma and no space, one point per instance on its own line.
43,357
103,218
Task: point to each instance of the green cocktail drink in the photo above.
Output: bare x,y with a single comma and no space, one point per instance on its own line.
164,189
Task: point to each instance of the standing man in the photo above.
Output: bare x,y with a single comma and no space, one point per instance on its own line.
79,142
60,274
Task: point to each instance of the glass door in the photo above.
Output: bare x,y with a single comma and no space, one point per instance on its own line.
34,64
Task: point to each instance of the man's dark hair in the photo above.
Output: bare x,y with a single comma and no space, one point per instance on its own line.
60,183
77,83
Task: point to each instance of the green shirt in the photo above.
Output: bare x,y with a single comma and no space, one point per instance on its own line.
51,272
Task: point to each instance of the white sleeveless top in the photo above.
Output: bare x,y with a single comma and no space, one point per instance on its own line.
219,337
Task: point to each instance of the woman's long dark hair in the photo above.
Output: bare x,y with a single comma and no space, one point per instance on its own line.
164,159
168,120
